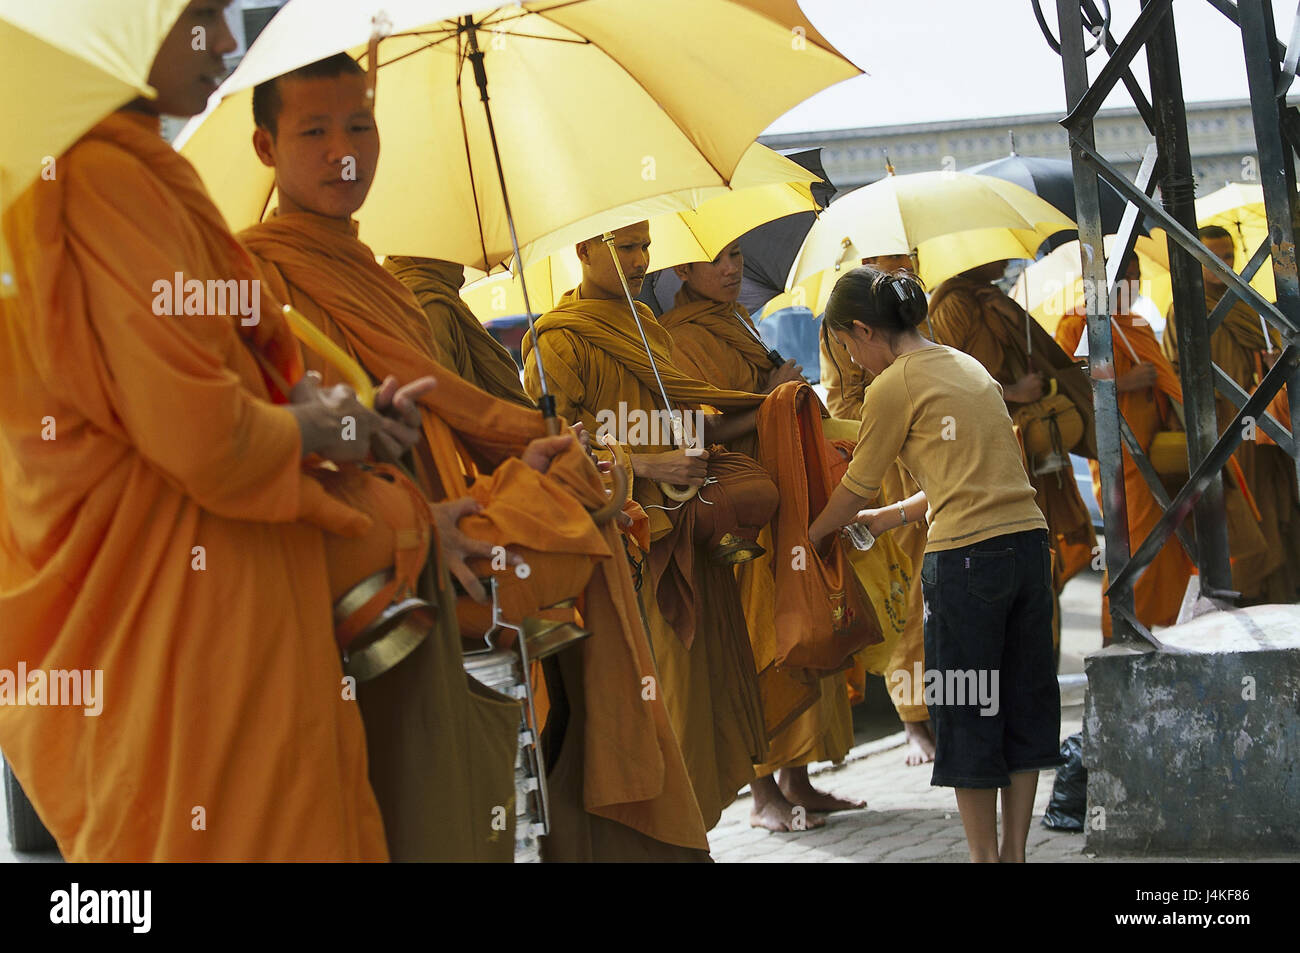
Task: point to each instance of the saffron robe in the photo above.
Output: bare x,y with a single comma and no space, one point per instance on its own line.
1270,473
977,318
159,527
710,344
628,796
465,345
1158,594
594,362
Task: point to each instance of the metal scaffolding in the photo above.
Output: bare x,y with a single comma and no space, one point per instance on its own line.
1270,69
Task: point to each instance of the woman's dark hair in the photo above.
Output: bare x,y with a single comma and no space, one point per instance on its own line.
890,302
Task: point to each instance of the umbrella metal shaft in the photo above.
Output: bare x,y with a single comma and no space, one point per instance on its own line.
547,400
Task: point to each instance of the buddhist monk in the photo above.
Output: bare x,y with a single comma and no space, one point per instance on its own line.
846,385
160,530
970,313
715,341
1238,346
598,370
465,344
1148,398
619,786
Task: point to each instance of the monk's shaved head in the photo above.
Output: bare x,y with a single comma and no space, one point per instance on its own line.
268,101
600,277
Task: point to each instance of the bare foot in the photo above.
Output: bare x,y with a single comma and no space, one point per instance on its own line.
773,812
920,743
798,790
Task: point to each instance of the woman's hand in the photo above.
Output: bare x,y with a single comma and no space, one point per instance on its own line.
880,520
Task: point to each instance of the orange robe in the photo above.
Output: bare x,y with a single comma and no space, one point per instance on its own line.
1158,593
466,346
709,344
1270,474
595,364
977,318
623,792
846,385
158,526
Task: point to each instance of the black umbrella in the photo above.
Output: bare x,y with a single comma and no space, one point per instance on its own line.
1052,180
769,249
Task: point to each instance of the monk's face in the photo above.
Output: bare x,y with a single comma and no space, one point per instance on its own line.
326,145
717,280
189,64
891,264
1225,251
598,272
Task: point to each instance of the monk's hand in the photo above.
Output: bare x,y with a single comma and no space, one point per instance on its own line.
334,424
540,452
789,371
400,402
456,548
1026,390
676,467
1138,377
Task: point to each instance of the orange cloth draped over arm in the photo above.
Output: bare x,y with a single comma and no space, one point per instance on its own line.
160,538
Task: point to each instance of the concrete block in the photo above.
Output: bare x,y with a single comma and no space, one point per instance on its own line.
1194,748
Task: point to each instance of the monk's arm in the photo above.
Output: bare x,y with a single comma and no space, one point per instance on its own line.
720,428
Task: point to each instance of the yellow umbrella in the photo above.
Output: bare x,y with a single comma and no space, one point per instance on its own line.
1239,208
901,214
697,224
66,65
811,293
1053,286
595,103
941,258
766,186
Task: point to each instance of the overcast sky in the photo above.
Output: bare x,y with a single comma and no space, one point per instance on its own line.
930,60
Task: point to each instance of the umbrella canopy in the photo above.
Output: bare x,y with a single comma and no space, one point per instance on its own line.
770,249
901,214
765,186
66,65
1053,286
1239,208
594,105
1053,181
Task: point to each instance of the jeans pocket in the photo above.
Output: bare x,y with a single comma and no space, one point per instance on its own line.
990,574
930,569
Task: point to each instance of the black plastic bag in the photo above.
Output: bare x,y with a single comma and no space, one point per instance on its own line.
1069,803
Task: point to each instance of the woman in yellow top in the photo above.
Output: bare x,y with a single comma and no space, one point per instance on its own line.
991,685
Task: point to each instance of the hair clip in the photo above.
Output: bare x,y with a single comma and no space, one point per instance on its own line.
900,290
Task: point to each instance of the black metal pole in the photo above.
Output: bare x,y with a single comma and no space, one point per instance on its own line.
1100,355
1178,195
1277,170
